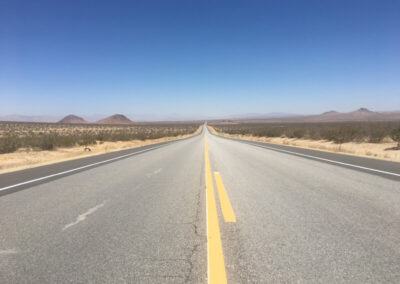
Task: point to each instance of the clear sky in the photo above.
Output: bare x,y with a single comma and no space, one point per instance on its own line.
198,57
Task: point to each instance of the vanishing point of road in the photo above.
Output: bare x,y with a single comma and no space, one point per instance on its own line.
203,209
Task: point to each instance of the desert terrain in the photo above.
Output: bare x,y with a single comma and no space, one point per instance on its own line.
25,145
359,139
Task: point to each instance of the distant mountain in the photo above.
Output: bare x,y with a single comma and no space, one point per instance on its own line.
29,118
363,110
362,114
329,113
116,119
72,119
261,115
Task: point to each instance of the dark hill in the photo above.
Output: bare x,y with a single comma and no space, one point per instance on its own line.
72,119
116,119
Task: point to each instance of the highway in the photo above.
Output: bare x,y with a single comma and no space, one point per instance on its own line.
204,209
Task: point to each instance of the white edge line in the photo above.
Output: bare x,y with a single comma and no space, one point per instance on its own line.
326,160
77,169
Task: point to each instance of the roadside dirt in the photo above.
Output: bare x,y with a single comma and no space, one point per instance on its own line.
383,151
26,158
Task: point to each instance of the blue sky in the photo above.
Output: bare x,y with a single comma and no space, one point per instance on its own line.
197,58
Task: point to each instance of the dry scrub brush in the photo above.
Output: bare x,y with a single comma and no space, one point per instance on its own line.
47,136
372,132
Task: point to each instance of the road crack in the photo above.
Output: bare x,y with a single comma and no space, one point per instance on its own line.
199,238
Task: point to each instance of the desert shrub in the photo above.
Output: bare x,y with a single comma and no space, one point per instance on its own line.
47,142
87,140
65,141
47,136
376,134
314,134
395,135
275,132
336,132
9,144
299,133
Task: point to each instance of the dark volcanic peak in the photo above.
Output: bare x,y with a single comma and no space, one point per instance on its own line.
116,119
72,119
363,109
331,112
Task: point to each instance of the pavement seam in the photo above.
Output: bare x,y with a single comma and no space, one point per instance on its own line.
199,238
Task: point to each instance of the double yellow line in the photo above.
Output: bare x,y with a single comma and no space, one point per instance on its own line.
216,265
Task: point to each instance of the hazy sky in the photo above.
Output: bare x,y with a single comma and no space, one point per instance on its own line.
198,57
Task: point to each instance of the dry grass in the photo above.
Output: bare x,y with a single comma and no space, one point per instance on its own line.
48,136
371,150
26,158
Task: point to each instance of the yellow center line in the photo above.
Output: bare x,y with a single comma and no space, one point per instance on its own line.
226,207
216,265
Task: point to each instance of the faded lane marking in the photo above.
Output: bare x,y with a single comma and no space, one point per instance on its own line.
8,251
226,206
216,265
154,173
83,216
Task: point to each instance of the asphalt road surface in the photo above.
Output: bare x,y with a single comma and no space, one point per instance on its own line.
258,215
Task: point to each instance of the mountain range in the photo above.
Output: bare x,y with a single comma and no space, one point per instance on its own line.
362,114
113,119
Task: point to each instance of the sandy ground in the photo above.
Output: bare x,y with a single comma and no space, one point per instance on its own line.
25,158
383,151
